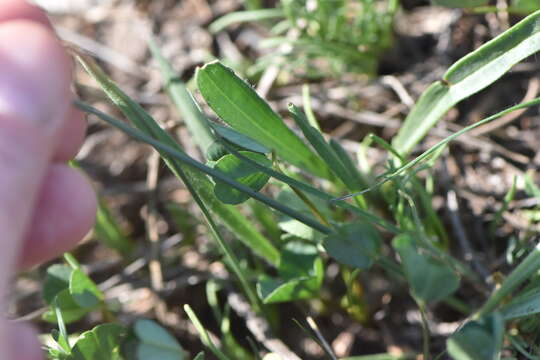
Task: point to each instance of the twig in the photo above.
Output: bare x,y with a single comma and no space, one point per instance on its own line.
394,83
152,233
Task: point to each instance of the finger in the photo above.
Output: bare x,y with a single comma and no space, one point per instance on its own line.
65,213
71,135
21,10
32,104
24,342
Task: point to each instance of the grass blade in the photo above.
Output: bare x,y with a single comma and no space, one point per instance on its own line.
326,152
244,16
203,334
466,77
195,120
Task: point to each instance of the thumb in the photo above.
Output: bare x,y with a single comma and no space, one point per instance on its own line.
34,96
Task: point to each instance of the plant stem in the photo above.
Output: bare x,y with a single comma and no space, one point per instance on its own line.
138,135
425,330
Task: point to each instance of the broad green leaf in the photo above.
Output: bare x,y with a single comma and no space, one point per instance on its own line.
236,103
295,227
231,217
276,290
56,280
241,172
327,153
467,76
108,231
239,139
83,290
297,259
429,278
355,244
459,3
101,343
71,311
156,343
524,6
478,340
301,273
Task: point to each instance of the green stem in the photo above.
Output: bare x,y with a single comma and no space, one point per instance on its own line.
138,135
314,191
425,155
303,196
425,330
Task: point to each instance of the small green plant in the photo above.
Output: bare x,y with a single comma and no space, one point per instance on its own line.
307,224
323,36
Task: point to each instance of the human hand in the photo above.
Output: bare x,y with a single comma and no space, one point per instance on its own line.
45,206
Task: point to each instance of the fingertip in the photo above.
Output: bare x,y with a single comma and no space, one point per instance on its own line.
71,135
65,213
22,10
36,74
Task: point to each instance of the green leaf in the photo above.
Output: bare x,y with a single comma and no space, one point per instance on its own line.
108,231
241,172
199,356
466,77
156,343
525,305
244,16
236,103
524,6
327,153
101,343
301,273
71,311
239,139
295,227
459,3
197,123
237,223
203,334
276,290
83,290
429,278
478,340
56,280
297,259
355,244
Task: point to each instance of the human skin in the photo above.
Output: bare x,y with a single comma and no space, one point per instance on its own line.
45,206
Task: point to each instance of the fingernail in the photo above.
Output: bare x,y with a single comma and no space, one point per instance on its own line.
34,74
